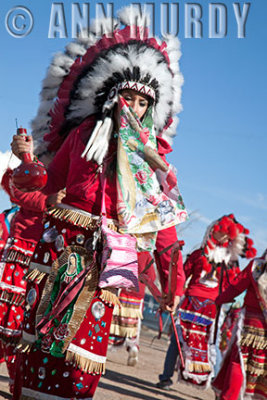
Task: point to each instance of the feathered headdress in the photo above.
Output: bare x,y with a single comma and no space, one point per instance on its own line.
80,80
237,243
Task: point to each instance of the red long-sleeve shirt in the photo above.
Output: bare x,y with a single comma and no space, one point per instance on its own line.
27,223
240,283
80,178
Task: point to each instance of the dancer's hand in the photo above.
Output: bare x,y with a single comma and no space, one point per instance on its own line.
169,305
19,146
55,198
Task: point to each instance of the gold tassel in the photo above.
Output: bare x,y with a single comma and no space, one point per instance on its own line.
86,365
16,256
108,295
35,276
24,347
253,340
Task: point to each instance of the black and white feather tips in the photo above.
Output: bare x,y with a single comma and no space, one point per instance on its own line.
79,80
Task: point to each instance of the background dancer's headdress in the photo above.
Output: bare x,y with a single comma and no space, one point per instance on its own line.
237,244
86,76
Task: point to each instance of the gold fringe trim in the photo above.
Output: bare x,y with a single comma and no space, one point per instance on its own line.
253,370
35,276
16,256
78,219
127,312
119,330
108,295
86,365
255,341
194,367
75,218
16,299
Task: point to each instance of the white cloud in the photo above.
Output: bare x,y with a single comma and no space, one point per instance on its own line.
7,161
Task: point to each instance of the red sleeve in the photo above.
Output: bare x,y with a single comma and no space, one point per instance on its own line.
165,238
32,201
191,261
59,167
239,284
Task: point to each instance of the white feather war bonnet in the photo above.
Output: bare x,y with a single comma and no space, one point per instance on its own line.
80,81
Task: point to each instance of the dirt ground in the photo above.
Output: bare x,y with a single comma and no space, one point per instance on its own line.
130,383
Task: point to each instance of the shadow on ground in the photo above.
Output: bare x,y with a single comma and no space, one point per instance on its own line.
4,395
135,383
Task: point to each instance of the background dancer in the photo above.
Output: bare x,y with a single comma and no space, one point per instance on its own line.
244,369
141,199
25,231
208,270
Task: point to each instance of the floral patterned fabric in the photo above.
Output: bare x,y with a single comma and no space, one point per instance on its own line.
143,206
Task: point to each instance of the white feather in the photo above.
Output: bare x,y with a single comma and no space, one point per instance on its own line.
131,15
97,146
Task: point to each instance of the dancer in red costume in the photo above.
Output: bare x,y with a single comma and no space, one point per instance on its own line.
25,231
105,101
209,270
244,369
5,222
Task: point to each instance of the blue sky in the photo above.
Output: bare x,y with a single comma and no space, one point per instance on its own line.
221,144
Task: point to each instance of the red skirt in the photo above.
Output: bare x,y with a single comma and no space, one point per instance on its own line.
196,319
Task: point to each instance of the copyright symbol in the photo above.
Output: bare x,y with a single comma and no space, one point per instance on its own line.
19,21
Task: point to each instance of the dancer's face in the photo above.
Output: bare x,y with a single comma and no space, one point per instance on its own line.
136,100
72,264
220,237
